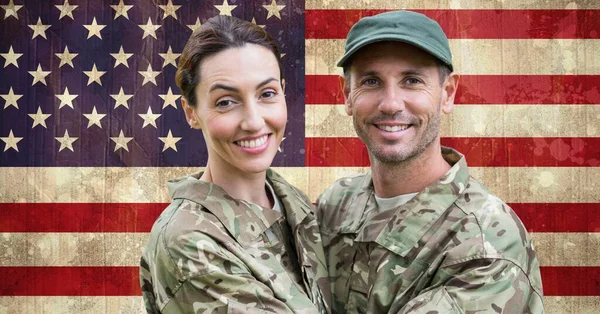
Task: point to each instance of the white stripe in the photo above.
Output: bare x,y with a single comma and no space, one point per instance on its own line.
87,305
452,4
486,56
124,249
147,185
478,121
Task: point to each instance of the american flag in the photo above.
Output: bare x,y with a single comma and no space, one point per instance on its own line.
91,127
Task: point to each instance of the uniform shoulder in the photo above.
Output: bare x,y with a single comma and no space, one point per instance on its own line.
334,208
342,188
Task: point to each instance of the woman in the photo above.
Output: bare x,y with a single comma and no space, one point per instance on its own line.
236,238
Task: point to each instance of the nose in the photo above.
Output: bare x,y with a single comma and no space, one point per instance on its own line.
253,119
392,101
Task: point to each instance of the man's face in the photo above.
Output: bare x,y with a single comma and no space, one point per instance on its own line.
395,97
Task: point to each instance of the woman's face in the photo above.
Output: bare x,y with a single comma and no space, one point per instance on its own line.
240,108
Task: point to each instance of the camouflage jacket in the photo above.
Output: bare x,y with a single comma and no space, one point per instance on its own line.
453,248
210,253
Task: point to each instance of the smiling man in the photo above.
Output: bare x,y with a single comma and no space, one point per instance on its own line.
417,233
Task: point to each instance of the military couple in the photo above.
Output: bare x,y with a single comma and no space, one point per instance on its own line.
415,234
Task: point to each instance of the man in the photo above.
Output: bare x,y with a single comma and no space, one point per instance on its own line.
417,234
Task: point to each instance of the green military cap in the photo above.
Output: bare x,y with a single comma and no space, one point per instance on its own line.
403,26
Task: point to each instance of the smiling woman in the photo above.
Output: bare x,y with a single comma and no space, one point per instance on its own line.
236,238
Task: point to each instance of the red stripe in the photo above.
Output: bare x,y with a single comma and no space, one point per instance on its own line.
123,281
69,281
488,89
479,151
559,217
479,24
571,281
78,217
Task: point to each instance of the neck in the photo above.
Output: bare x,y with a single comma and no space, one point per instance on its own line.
409,176
244,186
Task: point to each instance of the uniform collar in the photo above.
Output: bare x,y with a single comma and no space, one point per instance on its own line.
410,221
245,221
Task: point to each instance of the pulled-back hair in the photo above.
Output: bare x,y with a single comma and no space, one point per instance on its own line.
215,35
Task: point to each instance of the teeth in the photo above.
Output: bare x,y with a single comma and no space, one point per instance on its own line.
253,143
394,128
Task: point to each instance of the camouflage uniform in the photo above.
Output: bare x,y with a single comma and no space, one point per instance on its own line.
453,248
210,253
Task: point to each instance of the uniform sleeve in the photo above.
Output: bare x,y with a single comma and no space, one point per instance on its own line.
480,286
146,287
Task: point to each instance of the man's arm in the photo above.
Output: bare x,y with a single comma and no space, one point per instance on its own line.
479,286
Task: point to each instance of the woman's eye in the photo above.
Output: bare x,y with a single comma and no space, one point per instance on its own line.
223,103
268,94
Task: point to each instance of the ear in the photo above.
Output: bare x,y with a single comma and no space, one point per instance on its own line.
345,87
190,114
449,92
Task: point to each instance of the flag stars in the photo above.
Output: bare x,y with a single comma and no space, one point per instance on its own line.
169,57
94,118
225,8
121,57
11,99
196,25
149,118
169,141
273,9
121,9
66,57
11,57
66,9
94,75
261,26
94,29
169,9
66,141
11,9
39,29
11,141
39,75
149,75
121,99
39,118
121,141
66,99
149,29
169,99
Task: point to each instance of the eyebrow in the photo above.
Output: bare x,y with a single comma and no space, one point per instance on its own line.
235,90
403,73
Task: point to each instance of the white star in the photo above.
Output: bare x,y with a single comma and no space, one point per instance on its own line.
149,118
121,57
11,57
169,99
169,57
11,9
121,9
225,8
196,25
39,75
149,75
66,57
121,99
94,118
169,9
261,26
94,29
169,141
121,141
66,9
39,29
66,141
66,99
149,29
273,9
94,75
39,118
11,141
279,148
11,99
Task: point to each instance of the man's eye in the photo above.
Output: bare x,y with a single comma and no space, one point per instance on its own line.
412,81
370,82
